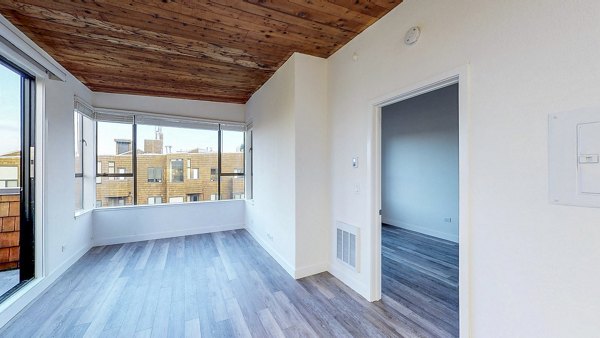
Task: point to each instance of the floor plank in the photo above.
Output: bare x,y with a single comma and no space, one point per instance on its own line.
420,279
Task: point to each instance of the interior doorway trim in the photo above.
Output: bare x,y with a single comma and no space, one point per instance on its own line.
458,76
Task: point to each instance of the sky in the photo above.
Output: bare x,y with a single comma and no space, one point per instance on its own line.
10,110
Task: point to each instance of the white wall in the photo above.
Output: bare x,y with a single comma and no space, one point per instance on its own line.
140,223
64,237
419,163
271,216
311,125
289,211
161,105
534,267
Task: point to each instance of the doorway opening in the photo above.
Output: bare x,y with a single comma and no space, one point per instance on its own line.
420,208
17,134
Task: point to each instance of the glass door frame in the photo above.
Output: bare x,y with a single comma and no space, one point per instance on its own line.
26,177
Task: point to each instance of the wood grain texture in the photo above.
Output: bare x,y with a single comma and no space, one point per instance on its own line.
216,50
420,273
211,285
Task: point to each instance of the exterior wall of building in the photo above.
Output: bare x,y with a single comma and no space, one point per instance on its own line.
10,222
204,187
10,225
11,160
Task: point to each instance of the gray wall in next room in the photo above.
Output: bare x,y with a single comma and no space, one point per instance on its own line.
420,163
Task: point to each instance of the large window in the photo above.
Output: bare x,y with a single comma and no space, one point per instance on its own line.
156,160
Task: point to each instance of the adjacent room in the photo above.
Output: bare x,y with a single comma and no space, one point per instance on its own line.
419,203
299,168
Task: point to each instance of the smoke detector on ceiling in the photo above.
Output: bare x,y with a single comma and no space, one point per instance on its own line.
412,35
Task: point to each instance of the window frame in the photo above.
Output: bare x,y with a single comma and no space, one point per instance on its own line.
154,200
154,170
184,161
115,175
233,174
78,143
171,171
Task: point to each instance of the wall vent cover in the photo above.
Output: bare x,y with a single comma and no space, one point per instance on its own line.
347,237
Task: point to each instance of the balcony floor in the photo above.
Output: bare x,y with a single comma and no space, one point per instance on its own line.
8,279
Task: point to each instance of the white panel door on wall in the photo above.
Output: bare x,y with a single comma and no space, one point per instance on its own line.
588,153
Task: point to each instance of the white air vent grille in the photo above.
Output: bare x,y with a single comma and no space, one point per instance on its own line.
347,244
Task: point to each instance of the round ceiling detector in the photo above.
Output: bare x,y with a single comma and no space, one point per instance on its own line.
412,35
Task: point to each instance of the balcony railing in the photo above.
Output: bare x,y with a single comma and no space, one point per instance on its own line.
10,226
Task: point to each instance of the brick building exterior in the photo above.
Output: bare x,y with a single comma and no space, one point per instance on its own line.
168,177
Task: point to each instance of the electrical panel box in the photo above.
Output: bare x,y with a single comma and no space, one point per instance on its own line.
574,157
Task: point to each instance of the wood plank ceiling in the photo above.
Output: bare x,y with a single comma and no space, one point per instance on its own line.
216,50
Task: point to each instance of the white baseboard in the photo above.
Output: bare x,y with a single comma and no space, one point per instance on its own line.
421,229
165,234
271,251
20,299
310,270
348,277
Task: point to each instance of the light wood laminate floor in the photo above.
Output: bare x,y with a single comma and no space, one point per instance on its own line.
212,285
421,273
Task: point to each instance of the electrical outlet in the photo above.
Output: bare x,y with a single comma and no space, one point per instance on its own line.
448,220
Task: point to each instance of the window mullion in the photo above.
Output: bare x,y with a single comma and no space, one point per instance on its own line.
134,160
219,149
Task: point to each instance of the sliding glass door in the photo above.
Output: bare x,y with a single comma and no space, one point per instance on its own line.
17,172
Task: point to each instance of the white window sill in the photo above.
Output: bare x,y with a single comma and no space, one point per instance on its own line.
164,205
82,212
